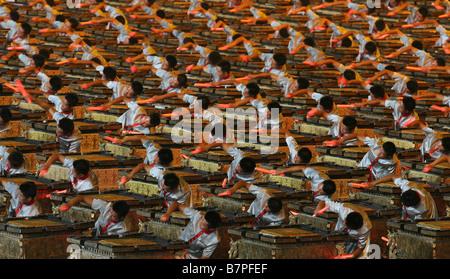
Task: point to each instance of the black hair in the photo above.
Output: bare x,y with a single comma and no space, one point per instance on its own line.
214,57
81,166
446,144
204,101
440,61
205,6
370,10
16,159
380,24
187,40
225,66
172,61
161,14
5,114
253,89
14,15
120,19
87,41
423,11
410,198
60,18
219,129
66,125
51,3
280,59
389,148
329,187
354,220
304,154
412,86
55,83
377,91
274,105
235,36
247,164
155,119
303,83
133,41
96,60
110,72
182,80
72,99
417,44
171,180
274,204
284,33
39,60
213,219
371,47
45,53
121,208
165,156
28,189
409,103
326,102
137,88
74,22
26,28
350,122
304,3
309,42
346,42
390,68
349,74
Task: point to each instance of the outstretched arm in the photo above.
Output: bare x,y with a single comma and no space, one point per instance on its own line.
52,159
76,200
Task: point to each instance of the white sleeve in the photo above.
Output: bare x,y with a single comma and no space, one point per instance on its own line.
55,100
361,38
42,77
402,183
162,73
68,163
100,69
188,98
11,188
292,145
390,104
98,204
333,118
25,59
316,96
112,84
370,142
235,152
132,105
258,104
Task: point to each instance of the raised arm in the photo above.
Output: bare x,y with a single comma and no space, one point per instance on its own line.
236,187
173,206
52,159
76,200
290,170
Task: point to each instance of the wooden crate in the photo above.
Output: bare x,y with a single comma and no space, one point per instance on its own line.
134,246
425,239
287,242
41,237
